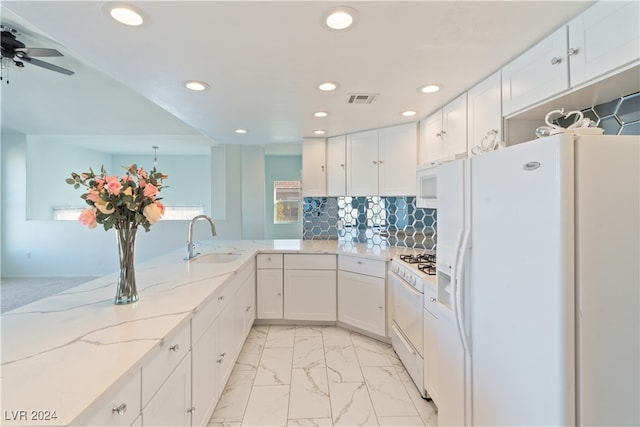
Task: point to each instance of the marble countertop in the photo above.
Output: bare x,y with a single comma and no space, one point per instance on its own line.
61,353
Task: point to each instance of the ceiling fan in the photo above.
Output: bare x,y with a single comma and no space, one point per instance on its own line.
15,53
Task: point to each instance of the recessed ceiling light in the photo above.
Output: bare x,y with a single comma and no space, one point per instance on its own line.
409,113
319,132
320,114
340,18
126,15
430,88
196,85
327,86
241,131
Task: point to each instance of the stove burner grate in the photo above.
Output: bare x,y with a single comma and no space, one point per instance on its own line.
428,268
417,259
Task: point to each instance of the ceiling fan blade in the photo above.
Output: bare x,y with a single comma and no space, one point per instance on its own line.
47,65
38,51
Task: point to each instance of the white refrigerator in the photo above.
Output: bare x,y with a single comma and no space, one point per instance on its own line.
538,284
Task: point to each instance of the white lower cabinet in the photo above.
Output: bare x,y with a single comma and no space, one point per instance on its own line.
120,407
269,286
430,353
362,293
310,287
204,356
246,307
171,351
171,405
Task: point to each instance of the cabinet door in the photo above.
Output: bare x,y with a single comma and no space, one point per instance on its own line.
362,163
314,176
269,294
361,301
454,127
431,148
228,344
484,111
603,38
336,166
397,149
204,355
171,405
310,295
539,73
119,407
431,355
247,297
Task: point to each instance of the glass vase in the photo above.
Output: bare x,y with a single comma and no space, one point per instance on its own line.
126,291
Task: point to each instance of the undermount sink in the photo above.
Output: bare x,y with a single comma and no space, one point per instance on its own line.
216,258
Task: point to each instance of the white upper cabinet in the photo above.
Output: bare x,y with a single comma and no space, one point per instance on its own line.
484,111
397,160
454,127
537,74
603,38
382,162
443,135
362,163
314,174
431,138
598,42
336,166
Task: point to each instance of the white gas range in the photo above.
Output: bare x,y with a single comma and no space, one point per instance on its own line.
408,277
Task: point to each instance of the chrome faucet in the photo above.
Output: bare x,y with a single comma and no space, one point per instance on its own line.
190,243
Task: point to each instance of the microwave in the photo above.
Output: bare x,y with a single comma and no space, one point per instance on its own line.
427,189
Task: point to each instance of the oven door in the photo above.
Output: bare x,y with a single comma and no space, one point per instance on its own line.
407,310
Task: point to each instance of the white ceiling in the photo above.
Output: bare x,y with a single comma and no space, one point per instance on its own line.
263,61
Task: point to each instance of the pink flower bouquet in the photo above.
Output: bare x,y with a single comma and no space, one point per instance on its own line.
120,202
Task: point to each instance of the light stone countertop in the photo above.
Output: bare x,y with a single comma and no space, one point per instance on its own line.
61,353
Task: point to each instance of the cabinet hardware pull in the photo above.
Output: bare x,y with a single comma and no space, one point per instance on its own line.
248,308
443,132
221,298
279,294
555,60
379,162
573,51
219,360
432,299
174,347
191,410
268,258
375,163
359,262
322,168
120,409
380,307
342,165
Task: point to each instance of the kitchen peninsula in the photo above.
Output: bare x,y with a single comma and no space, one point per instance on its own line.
75,358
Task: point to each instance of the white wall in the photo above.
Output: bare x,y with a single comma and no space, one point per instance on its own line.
66,248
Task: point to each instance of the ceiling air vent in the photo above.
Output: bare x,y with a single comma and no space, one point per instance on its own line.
361,98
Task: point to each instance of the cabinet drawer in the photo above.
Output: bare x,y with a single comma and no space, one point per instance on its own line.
370,267
208,312
167,356
269,261
119,407
309,262
430,301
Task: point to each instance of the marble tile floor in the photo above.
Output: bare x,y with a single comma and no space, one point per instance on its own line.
319,376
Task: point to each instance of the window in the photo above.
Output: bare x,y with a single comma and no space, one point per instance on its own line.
286,202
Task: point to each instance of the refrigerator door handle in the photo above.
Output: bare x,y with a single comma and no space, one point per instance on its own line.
457,297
